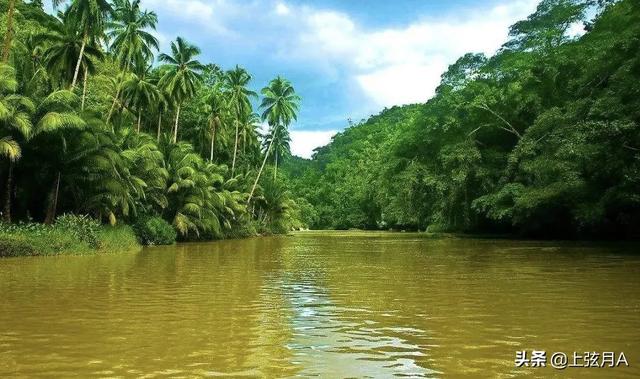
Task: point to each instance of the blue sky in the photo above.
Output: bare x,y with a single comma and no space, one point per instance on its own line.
347,59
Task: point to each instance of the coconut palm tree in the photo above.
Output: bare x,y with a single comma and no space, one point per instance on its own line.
279,137
90,17
15,119
64,46
161,104
249,138
238,97
141,92
131,42
58,120
280,107
182,76
216,107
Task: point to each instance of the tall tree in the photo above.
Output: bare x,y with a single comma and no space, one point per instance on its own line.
58,119
280,106
238,96
141,93
182,76
281,140
90,17
131,42
63,47
216,106
15,119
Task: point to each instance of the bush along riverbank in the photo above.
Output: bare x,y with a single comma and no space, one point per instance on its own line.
70,234
81,234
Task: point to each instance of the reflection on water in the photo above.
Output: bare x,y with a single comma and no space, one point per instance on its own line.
320,304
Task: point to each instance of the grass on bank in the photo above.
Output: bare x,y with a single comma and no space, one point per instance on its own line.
70,234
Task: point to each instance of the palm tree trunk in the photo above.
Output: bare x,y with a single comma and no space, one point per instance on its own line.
244,142
275,167
53,205
213,139
235,152
75,74
113,105
175,130
118,87
6,213
8,38
159,125
264,162
139,120
84,87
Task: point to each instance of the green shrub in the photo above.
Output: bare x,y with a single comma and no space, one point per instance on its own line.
82,227
119,238
69,235
17,246
38,239
155,231
246,228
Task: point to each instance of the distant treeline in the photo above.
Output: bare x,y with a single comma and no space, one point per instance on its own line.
541,139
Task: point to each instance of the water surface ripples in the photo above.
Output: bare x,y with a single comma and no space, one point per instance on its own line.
320,305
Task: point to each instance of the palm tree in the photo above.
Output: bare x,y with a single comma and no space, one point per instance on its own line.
249,126
280,138
64,46
8,37
15,117
216,106
236,82
90,17
280,105
131,44
140,92
118,175
57,118
161,104
182,76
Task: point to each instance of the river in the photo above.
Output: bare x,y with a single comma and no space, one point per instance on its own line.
326,304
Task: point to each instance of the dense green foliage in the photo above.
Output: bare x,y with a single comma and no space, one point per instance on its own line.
542,139
70,234
91,125
155,231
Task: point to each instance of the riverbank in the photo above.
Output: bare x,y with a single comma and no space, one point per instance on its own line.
73,235
77,234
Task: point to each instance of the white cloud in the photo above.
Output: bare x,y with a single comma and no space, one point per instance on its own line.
282,9
389,65
370,67
208,13
304,141
401,65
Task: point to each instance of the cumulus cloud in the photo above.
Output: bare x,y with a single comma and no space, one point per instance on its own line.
353,69
402,65
207,13
304,141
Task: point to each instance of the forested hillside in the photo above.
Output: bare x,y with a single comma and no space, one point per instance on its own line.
94,120
541,139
